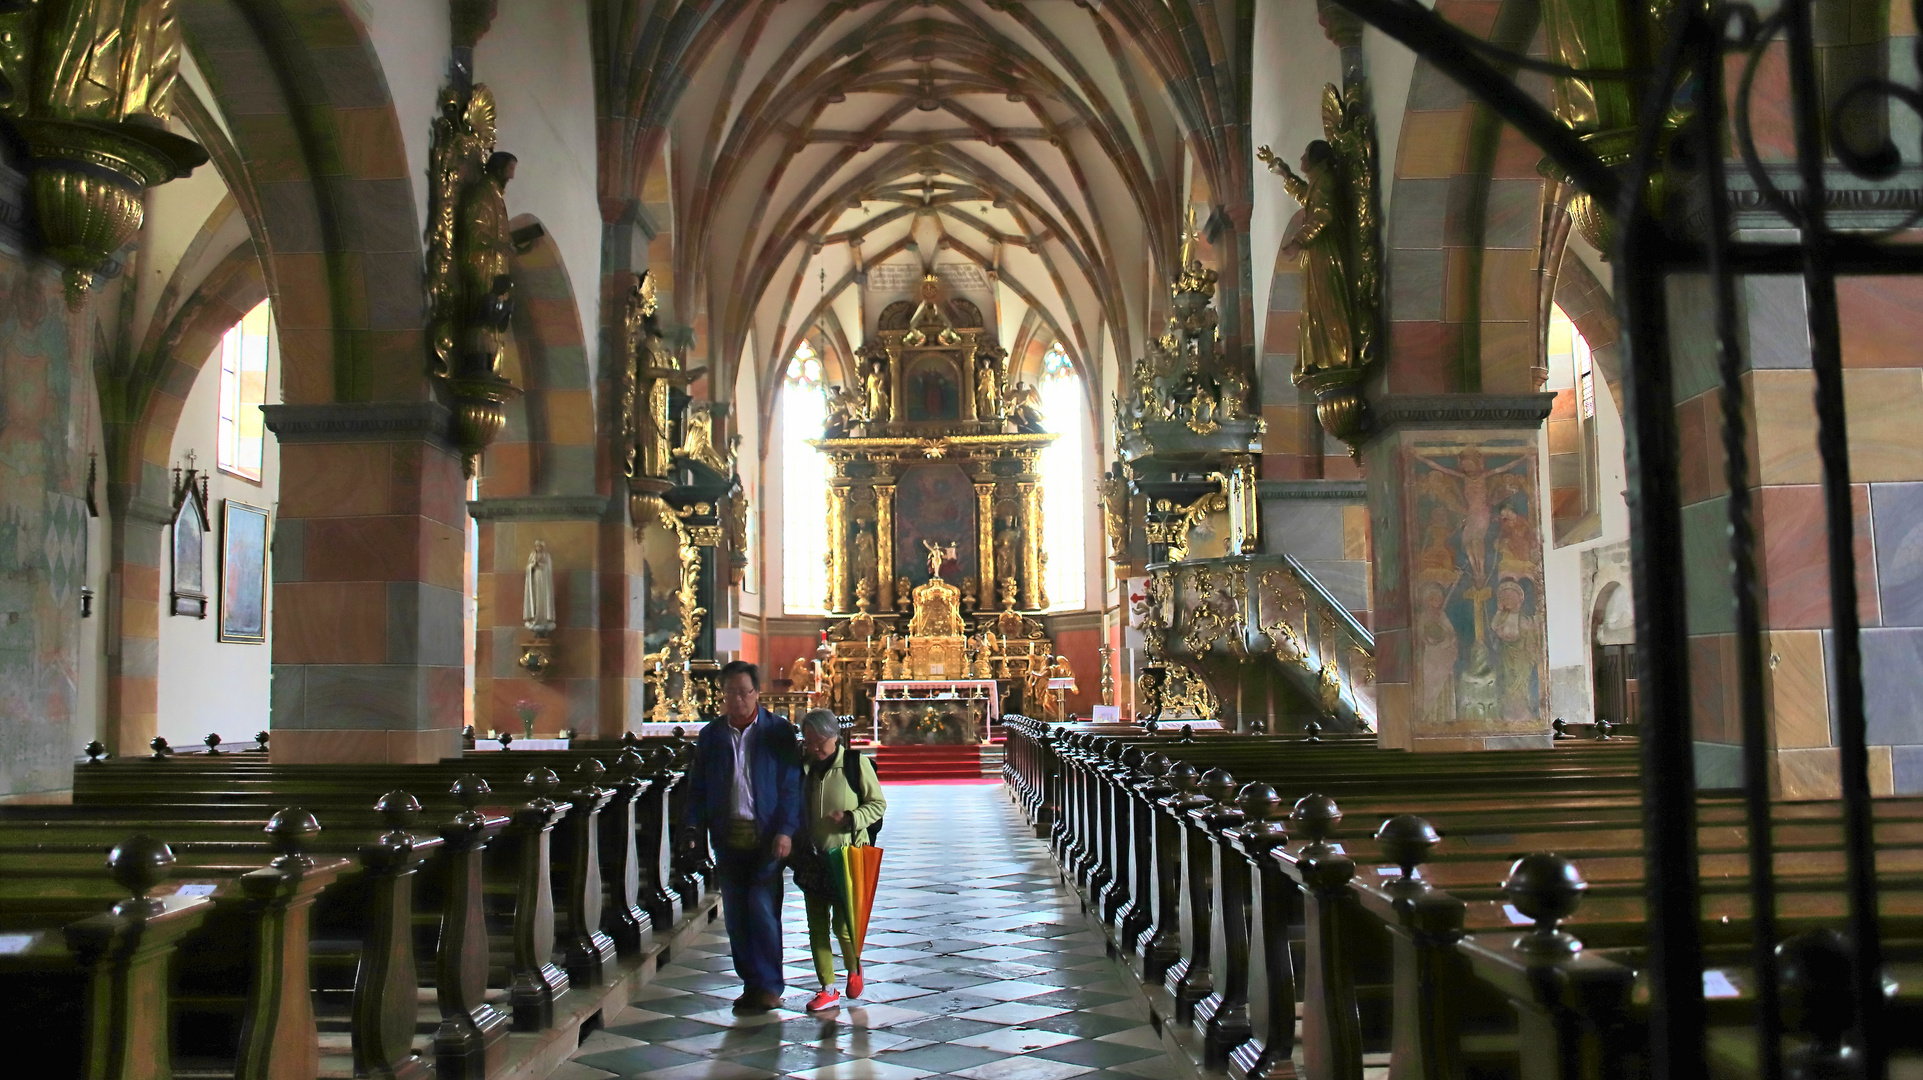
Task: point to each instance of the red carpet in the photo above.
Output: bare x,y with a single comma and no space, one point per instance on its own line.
928,762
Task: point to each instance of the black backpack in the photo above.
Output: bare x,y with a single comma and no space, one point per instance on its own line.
851,769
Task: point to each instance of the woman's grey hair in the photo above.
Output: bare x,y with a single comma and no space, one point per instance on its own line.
822,723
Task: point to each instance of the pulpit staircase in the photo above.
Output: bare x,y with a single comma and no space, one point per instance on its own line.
1271,642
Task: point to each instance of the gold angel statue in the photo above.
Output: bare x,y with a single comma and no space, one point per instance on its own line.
1335,236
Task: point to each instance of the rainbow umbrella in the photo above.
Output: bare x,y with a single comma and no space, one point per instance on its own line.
855,872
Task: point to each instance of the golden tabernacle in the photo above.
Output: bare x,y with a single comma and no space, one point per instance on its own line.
934,515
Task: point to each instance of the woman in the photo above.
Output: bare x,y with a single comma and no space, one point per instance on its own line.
840,800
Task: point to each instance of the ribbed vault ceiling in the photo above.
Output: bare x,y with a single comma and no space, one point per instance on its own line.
815,143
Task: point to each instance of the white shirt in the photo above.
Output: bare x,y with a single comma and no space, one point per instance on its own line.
744,787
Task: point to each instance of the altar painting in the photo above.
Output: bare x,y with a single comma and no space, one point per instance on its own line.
931,389
1475,578
935,505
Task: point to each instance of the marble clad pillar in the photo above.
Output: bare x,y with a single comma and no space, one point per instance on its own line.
985,579
1462,661
1029,579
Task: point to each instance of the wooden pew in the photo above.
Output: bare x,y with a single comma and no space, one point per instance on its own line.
1210,838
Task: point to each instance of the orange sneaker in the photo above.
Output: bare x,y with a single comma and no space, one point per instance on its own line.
854,984
824,1001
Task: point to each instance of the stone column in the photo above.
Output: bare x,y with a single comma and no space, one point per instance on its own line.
1454,501
884,537
139,571
368,547
569,690
985,582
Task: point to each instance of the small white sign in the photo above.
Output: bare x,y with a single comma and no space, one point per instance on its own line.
15,944
1517,917
1716,984
196,888
936,667
1388,871
1107,714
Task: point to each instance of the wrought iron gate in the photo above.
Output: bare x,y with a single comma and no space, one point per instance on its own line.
1673,205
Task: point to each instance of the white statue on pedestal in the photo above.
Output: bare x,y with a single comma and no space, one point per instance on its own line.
537,597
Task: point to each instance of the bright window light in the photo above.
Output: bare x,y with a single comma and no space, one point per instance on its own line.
804,487
1064,484
243,390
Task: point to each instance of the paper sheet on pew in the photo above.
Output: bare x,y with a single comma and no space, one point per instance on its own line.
522,744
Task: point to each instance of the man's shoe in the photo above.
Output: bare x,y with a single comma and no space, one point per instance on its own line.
854,984
824,1001
762,1001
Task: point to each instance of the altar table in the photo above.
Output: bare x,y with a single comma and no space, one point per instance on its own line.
894,690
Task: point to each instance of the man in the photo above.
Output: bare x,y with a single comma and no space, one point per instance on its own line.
747,798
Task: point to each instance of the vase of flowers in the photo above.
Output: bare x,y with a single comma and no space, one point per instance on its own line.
527,710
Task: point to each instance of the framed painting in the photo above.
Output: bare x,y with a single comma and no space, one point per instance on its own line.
243,573
190,528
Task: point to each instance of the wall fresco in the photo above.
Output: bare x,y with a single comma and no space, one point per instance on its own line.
1474,568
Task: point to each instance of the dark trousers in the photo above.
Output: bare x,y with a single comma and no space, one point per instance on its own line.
751,907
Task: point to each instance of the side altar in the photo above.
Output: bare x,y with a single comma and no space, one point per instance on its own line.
936,566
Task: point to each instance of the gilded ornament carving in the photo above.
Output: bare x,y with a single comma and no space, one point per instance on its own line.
1336,239
92,85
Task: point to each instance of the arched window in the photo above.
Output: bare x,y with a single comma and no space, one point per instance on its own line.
243,390
1064,483
1575,481
804,487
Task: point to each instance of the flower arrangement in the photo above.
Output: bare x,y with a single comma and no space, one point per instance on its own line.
527,710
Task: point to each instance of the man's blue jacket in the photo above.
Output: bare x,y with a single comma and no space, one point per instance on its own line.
777,779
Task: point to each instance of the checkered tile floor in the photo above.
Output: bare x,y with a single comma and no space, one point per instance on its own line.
979,966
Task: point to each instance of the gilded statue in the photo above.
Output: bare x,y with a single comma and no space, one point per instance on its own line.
1335,240
1114,495
904,593
697,439
875,387
988,383
938,555
469,254
865,556
458,229
845,411
484,250
650,375
1006,538
801,676
1023,407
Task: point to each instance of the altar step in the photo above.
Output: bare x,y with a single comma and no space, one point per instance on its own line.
929,762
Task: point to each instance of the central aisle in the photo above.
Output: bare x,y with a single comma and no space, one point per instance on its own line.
979,965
